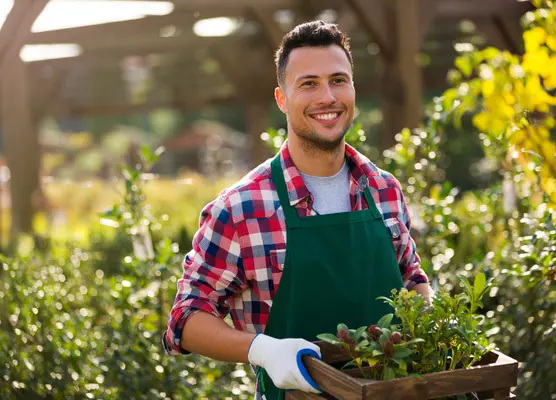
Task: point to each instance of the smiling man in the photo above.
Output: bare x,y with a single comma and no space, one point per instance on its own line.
307,240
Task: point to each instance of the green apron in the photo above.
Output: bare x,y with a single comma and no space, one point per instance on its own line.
336,266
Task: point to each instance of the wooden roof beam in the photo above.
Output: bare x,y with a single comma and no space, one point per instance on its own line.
63,110
501,32
113,52
111,30
17,26
481,8
271,29
378,18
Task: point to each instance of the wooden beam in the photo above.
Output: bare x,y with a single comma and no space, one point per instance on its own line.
100,110
502,33
428,12
17,26
398,27
271,29
98,53
19,129
45,92
481,8
182,20
204,4
511,31
346,21
376,19
9,29
408,30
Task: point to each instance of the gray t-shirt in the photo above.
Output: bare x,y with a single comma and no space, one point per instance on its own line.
331,193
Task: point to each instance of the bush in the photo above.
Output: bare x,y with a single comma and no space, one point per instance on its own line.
77,328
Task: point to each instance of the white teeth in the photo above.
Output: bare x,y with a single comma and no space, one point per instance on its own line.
328,117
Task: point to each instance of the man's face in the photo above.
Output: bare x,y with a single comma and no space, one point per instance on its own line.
318,96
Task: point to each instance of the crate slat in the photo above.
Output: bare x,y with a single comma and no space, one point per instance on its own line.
496,373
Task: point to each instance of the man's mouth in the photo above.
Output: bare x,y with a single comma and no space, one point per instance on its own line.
327,117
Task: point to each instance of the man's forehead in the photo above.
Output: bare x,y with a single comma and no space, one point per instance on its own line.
317,61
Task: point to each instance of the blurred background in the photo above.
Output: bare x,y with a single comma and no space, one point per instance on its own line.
120,120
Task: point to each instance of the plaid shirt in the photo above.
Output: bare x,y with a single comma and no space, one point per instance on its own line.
238,253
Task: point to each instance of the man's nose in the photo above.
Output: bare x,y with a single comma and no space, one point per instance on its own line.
326,95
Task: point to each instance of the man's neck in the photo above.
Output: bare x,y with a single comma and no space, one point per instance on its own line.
313,161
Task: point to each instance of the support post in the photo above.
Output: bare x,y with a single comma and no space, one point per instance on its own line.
398,27
21,140
21,144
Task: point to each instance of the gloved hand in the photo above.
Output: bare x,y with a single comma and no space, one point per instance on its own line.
282,360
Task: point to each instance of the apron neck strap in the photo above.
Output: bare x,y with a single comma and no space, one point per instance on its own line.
371,203
292,218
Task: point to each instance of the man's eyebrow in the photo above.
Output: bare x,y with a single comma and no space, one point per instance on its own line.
335,74
303,77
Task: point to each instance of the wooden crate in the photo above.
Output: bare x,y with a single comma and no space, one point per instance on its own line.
491,378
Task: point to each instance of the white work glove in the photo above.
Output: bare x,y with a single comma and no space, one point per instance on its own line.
282,360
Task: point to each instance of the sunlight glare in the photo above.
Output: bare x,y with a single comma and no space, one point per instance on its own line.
216,27
38,52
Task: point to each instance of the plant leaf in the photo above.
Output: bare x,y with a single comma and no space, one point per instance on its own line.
328,337
388,373
401,363
360,333
385,321
416,340
372,361
351,363
400,353
362,344
479,285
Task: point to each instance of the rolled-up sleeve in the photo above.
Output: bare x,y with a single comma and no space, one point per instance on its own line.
212,273
408,257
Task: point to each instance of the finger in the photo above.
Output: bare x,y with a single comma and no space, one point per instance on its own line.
316,349
302,373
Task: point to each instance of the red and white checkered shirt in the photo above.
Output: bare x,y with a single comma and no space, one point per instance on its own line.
238,252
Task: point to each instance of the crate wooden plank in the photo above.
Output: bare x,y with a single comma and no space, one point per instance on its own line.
333,381
495,373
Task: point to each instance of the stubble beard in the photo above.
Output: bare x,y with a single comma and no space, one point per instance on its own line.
312,143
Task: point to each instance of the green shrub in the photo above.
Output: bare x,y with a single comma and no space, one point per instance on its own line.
76,326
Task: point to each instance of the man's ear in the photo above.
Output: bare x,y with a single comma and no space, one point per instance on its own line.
280,97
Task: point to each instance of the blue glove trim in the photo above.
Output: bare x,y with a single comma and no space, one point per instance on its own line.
303,370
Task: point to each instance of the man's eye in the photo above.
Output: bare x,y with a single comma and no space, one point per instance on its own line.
308,83
340,80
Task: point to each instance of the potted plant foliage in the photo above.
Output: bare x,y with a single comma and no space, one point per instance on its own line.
420,350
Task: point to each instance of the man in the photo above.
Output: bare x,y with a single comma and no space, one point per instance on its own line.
305,241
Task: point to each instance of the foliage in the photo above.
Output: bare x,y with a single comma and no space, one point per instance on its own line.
526,302
504,229
444,335
380,347
513,98
73,330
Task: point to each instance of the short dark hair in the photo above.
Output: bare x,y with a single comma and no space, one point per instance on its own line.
310,34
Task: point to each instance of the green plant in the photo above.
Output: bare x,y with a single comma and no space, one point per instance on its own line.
523,325
443,335
381,347
87,324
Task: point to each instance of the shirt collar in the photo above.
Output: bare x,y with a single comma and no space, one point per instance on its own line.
360,171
